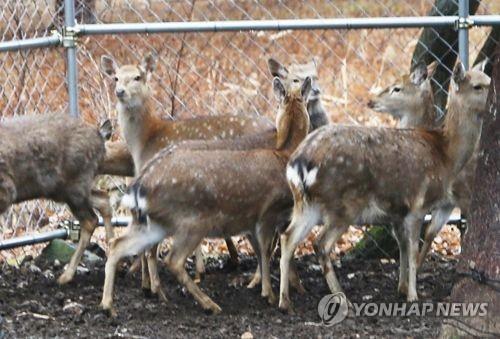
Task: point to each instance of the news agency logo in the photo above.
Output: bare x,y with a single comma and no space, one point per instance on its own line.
333,309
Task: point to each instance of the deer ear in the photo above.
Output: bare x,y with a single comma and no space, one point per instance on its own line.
481,66
108,65
106,129
148,63
277,69
459,73
278,88
419,74
305,90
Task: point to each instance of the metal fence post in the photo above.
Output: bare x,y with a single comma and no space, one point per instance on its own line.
463,32
69,43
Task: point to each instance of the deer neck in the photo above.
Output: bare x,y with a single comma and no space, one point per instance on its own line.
461,135
299,127
423,116
137,124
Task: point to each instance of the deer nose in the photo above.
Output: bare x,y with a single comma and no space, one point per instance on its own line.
316,91
120,93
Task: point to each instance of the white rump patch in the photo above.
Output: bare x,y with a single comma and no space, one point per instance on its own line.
292,175
310,177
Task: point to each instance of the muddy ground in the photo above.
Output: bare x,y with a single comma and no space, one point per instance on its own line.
31,304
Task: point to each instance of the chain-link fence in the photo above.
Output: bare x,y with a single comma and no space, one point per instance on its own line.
210,73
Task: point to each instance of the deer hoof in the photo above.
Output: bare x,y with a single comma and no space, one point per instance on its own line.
64,278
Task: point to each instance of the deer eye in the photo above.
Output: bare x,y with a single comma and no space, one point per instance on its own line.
115,79
137,78
478,87
296,80
396,89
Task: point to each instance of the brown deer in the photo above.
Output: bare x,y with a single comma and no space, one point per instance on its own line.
145,133
118,160
343,175
191,194
409,99
414,93
56,157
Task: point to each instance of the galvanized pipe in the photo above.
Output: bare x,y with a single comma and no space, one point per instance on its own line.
16,45
71,63
8,244
463,32
485,20
261,25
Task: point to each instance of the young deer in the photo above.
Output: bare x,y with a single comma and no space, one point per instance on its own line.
409,99
145,133
56,157
191,194
343,175
118,160
416,97
317,114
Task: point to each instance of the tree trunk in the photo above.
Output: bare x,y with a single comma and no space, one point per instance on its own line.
440,44
481,245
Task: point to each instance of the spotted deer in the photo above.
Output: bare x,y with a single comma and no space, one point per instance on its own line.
54,156
414,93
343,175
191,194
156,133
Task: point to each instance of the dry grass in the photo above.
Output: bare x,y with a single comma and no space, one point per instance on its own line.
208,73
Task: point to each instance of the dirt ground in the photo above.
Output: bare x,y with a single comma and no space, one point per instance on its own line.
32,305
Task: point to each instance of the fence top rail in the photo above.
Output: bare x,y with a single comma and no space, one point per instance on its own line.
260,25
15,45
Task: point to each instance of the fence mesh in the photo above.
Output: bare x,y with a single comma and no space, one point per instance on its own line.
204,73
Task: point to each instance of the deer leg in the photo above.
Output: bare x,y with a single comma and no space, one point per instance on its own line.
257,276
199,264
152,259
100,201
233,252
86,230
296,232
439,219
398,232
145,281
264,236
412,226
183,244
323,247
128,244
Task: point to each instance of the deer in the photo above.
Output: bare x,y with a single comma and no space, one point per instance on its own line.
190,194
344,175
414,93
154,133
55,156
317,114
409,99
